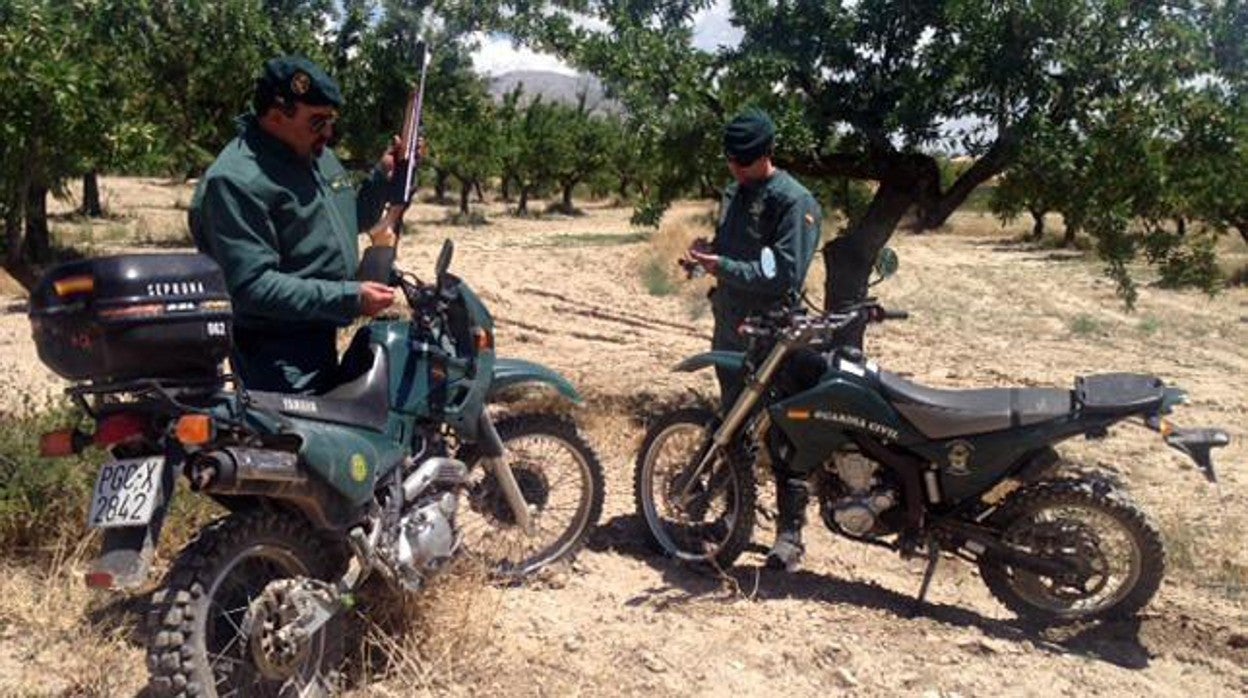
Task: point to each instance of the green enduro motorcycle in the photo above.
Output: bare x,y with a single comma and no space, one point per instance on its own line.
917,470
322,490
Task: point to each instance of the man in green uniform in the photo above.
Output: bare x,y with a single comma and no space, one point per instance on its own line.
769,226
281,215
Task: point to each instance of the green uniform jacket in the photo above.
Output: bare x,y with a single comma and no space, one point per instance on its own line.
284,231
779,213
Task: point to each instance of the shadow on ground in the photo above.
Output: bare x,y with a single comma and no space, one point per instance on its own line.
1117,643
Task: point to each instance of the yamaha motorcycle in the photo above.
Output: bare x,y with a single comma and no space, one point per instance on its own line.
915,469
323,491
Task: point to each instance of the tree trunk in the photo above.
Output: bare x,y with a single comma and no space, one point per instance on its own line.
440,178
465,191
37,247
623,190
476,185
1180,225
91,195
849,258
505,189
1037,227
1072,229
567,196
522,208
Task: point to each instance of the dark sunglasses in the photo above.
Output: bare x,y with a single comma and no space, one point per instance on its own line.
320,121
739,162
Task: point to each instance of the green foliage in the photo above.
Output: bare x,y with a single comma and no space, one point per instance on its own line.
657,279
1085,325
866,91
43,502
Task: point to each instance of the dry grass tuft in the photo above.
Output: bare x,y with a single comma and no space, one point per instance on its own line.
430,642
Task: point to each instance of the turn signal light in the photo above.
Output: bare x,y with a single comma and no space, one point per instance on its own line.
72,285
194,429
59,444
484,340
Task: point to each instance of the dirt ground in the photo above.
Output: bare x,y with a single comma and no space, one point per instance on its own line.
574,293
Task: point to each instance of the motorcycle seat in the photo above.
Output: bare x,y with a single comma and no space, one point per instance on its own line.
942,414
1119,393
361,402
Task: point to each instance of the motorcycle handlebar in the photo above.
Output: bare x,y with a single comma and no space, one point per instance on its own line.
795,321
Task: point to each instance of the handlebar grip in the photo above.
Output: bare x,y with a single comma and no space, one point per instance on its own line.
896,315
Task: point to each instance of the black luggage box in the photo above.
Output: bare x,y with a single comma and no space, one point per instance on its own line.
125,317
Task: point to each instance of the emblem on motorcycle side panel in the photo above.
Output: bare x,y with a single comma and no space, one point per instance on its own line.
960,457
359,467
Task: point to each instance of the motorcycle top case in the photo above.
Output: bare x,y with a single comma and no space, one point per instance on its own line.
124,317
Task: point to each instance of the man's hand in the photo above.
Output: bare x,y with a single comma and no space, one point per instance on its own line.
389,158
383,233
700,252
374,298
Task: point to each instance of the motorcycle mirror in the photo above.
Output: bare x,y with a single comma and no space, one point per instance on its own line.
444,259
767,261
886,263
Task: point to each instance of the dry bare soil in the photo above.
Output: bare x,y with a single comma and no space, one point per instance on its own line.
575,293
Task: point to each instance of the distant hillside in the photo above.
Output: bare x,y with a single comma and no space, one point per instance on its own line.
553,87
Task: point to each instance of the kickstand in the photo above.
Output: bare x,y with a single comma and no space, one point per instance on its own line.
933,557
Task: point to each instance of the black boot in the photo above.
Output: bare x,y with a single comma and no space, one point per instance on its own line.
792,494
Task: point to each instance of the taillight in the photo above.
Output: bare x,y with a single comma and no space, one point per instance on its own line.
119,428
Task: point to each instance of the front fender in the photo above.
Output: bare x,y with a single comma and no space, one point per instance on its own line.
512,372
728,360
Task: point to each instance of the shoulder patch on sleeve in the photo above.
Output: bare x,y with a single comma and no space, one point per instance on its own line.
810,219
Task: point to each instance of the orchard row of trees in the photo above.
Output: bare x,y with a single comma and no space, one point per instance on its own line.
1127,117
155,86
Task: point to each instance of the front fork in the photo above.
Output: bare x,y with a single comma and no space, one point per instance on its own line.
756,385
494,451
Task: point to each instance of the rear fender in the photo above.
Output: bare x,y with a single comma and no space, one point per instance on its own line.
126,553
728,360
509,373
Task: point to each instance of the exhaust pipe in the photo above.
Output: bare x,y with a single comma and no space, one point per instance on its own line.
224,470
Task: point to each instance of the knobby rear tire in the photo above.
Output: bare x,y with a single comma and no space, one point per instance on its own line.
1091,495
182,610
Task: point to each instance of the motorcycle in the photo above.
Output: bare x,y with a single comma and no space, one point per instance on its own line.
323,491
918,470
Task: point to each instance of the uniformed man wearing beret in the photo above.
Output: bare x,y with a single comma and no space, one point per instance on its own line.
768,228
281,215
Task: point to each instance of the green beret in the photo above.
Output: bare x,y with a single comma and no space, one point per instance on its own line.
749,135
297,79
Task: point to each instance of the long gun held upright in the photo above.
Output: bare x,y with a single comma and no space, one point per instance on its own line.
378,259
409,142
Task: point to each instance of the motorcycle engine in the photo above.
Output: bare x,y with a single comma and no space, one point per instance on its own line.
426,536
857,495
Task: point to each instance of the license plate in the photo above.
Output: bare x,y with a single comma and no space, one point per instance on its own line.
125,493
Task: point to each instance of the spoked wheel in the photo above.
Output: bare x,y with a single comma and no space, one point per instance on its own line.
694,516
560,479
206,640
1113,550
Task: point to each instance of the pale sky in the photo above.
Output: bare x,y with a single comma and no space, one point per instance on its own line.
497,56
